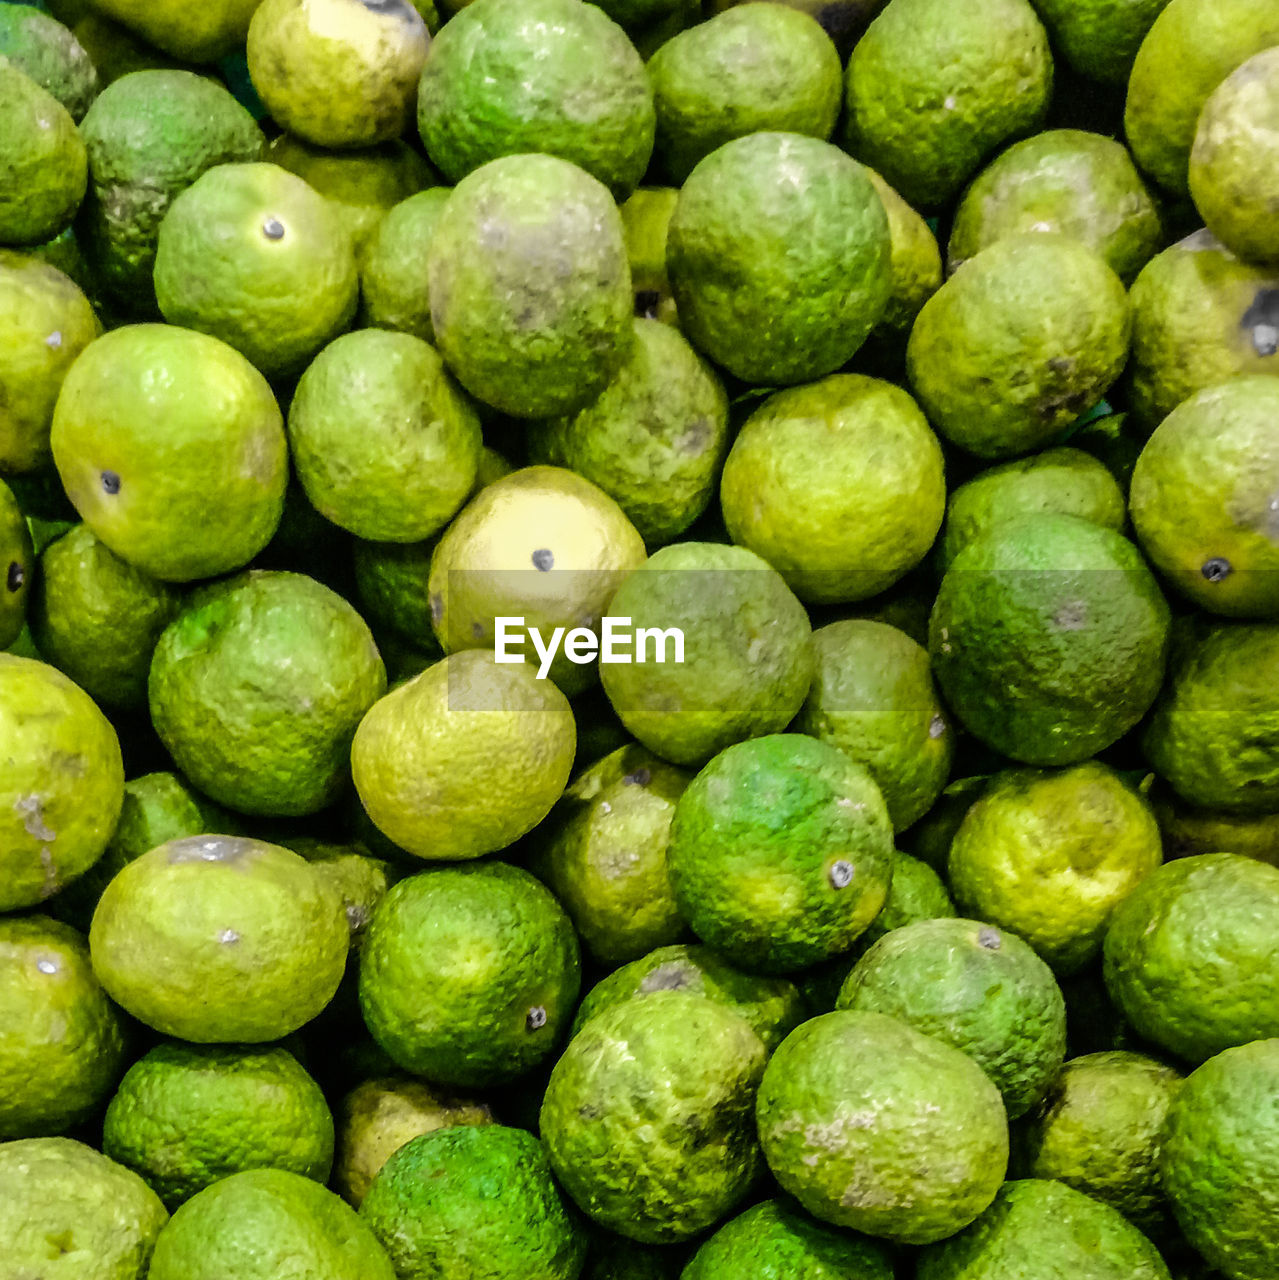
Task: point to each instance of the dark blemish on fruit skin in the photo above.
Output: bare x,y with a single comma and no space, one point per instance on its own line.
273,229
543,559
15,577
536,1018
1218,569
640,778
989,938
667,977
477,630
841,874
110,482
1262,320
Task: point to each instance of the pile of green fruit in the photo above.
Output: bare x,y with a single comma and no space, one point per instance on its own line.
639,641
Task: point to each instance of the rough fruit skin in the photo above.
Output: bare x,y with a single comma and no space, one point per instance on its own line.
916,266
934,86
471,1201
49,54
983,991
1036,1223
469,974
554,76
779,257
17,565
56,1189
62,785
1217,1161
1189,955
394,291
648,1116
781,852
204,34
61,1040
216,939
1049,855
1099,38
1020,341
1049,638
534,314
873,1126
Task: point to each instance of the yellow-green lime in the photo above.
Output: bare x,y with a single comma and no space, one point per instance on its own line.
646,218
17,567
915,263
394,286
1099,38
1189,829
47,51
204,34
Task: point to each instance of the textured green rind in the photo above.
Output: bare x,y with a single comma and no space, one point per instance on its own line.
555,76
1217,1162
62,784
1099,38
1190,49
1049,638
17,566
779,257
781,852
216,939
1083,185
97,618
1206,487
1199,316
648,1116
392,589
983,991
1018,343
873,1126
751,69
56,1192
45,50
149,135
185,1117
773,1241
1035,1224
916,266
265,1224
1098,1130
748,657
934,86
458,962
474,1201
1190,955
63,1047
1215,729
257,688
194,436
654,440
1060,481
1049,855
394,287
530,287
202,33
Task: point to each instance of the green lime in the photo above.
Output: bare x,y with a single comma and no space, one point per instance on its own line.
97,618
1062,481
871,1125
43,168
61,1040
1037,1224
65,1206
654,440
781,852
602,852
252,255
257,687
62,785
202,33
771,1005
746,649
1049,638
17,566
1024,338
648,1118
1099,38
474,1200
380,1115
114,50
773,1241
265,1224
1187,829
1188,955
1189,50
750,69
1083,185
972,986
1051,855
394,288
1217,1162
150,135
553,76
529,284
360,878
146,424
934,87
646,219
186,1116
915,263
839,485
218,938
469,974
779,257
1098,1130
44,49
392,589
338,73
